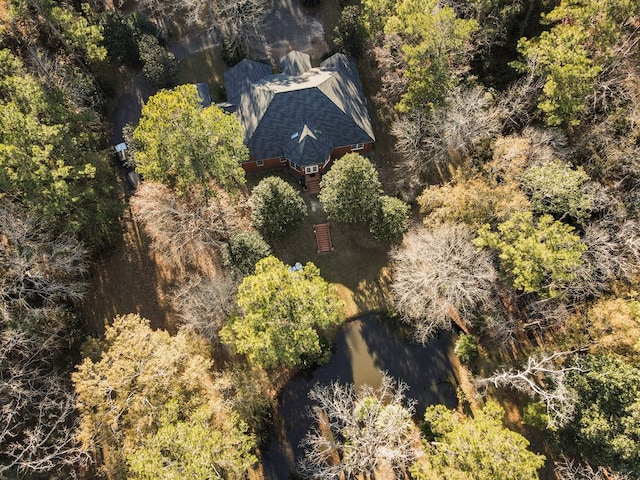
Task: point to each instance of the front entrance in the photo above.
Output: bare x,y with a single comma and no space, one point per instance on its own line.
312,182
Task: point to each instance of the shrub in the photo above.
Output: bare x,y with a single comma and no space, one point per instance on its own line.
466,348
534,414
243,251
351,190
390,220
276,207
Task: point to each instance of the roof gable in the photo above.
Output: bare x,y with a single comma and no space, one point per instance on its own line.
295,63
308,146
240,77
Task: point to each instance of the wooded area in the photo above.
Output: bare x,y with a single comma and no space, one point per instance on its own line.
508,203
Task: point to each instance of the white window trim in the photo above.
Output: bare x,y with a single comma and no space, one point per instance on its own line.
357,146
311,169
259,163
283,159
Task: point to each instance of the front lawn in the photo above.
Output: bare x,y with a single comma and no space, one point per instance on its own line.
357,266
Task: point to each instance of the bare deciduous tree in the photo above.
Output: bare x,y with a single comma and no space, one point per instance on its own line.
182,232
439,276
39,271
38,419
519,102
569,469
542,378
204,304
390,61
546,313
613,254
449,133
38,267
358,432
238,20
241,21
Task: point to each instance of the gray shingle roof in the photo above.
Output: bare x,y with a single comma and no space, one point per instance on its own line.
308,146
240,77
295,63
204,94
329,98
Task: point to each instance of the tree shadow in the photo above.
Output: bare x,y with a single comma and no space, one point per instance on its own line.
129,280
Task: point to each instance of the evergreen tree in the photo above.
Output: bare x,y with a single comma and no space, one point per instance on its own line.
286,315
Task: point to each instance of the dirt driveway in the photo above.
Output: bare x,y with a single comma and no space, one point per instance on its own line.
287,27
290,27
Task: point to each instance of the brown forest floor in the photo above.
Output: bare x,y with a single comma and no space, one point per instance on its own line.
132,279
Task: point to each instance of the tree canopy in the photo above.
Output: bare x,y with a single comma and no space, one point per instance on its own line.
276,207
435,49
556,188
390,220
186,146
243,250
537,256
570,72
480,447
472,202
571,55
144,395
286,315
351,189
49,157
606,425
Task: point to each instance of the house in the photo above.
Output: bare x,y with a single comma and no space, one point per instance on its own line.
204,94
302,118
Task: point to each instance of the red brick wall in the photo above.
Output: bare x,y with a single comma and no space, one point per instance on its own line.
340,151
269,163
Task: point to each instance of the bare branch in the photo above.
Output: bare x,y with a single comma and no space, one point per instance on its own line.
204,305
38,267
38,419
541,379
569,469
359,432
439,273
183,232
426,138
